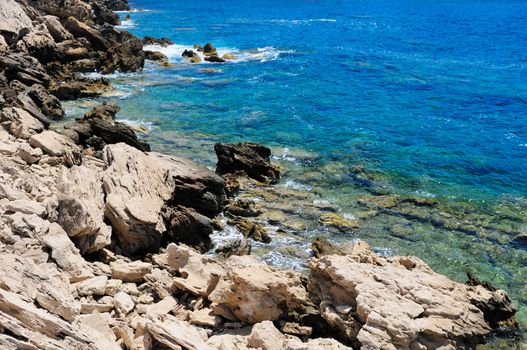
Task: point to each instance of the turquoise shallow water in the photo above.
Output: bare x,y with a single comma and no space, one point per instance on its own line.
429,98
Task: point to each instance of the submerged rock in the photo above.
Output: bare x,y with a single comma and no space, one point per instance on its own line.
191,56
250,158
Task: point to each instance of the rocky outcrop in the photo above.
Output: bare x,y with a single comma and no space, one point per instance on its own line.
139,185
398,302
164,42
248,158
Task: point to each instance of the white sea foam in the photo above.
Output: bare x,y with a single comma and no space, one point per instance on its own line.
126,24
263,54
302,21
132,11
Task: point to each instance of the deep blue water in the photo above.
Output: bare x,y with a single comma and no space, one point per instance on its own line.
429,97
434,93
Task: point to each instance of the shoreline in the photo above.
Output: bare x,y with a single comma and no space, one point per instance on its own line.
84,204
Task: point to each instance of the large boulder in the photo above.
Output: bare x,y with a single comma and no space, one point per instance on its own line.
56,29
397,303
115,132
138,185
266,293
249,158
82,30
54,143
81,206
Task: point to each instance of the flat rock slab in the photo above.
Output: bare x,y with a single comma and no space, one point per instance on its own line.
53,143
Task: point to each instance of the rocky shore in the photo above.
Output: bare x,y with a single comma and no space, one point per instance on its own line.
103,240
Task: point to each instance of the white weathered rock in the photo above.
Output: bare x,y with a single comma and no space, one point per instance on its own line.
26,207
266,293
53,143
228,342
81,207
93,286
204,317
39,327
65,254
113,287
103,335
176,334
199,274
265,336
394,303
123,303
40,283
314,344
130,272
28,154
23,125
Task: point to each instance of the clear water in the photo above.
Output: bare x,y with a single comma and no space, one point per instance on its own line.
429,97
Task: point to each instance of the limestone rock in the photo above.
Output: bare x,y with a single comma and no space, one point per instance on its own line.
24,125
123,303
314,344
394,303
93,286
176,334
266,293
199,274
138,185
265,336
26,207
130,272
53,143
65,254
81,207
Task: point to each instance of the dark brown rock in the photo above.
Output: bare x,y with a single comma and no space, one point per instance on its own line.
186,225
214,59
158,57
115,133
251,158
73,89
106,111
148,40
125,53
48,104
250,229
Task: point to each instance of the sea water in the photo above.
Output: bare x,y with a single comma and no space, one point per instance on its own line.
427,98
